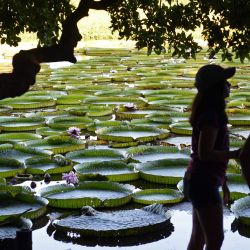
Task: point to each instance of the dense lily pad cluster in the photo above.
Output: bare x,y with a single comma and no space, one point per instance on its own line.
110,130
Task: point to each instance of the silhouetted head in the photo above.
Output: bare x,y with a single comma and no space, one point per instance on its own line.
211,76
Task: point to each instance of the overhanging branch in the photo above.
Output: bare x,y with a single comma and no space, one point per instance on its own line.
26,63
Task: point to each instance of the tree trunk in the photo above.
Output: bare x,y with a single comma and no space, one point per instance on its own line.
26,63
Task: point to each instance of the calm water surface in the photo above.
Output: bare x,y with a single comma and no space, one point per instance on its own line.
177,240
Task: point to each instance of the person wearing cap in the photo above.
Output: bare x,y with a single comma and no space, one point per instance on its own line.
209,157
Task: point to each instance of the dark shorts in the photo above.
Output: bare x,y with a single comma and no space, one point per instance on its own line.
201,191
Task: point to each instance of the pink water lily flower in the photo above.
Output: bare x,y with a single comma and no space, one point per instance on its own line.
74,132
70,178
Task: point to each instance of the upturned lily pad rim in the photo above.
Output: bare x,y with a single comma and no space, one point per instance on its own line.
33,161
147,150
29,198
96,153
9,137
164,163
181,128
74,203
103,133
129,173
63,144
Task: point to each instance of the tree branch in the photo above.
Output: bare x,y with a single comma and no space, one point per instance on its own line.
26,63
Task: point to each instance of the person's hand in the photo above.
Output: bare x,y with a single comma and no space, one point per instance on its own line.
226,193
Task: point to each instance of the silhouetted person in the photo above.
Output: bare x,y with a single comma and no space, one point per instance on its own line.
209,158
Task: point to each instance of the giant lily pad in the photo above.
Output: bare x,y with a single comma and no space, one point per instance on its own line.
117,223
96,194
18,137
152,153
182,128
10,167
102,124
115,171
160,196
14,206
69,121
56,144
241,132
88,155
237,186
19,153
241,209
29,102
178,141
21,124
131,133
114,101
239,118
47,131
45,164
168,171
91,111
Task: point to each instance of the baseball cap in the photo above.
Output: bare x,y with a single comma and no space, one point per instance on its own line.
208,76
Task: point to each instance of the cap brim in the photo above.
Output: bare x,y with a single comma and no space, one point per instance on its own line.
229,72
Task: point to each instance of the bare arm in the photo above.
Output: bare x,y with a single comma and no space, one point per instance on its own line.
206,144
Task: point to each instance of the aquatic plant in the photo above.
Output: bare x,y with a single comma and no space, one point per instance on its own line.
70,177
74,132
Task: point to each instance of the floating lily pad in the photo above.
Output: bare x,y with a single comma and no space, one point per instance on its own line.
10,167
95,194
102,124
240,118
47,131
182,128
152,153
88,155
131,133
241,209
69,121
56,144
45,93
178,141
95,111
45,164
19,153
149,122
5,109
241,132
117,223
29,102
160,196
115,171
237,186
114,101
21,124
18,137
169,171
14,206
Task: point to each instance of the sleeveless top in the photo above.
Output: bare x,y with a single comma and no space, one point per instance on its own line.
213,170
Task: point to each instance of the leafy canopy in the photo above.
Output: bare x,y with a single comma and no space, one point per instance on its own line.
155,24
